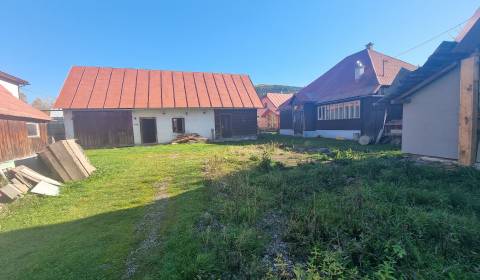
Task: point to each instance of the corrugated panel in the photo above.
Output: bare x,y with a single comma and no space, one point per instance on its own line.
202,92
114,92
190,90
222,91
155,91
167,90
212,90
118,88
99,92
232,91
128,90
85,88
70,86
179,90
141,92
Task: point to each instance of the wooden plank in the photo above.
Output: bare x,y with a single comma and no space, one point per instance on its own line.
34,176
77,162
66,161
80,154
467,130
10,191
53,163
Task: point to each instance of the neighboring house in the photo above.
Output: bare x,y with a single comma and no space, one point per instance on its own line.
23,129
440,100
11,83
269,115
340,103
105,106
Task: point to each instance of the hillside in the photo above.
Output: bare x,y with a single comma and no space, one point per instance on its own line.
262,89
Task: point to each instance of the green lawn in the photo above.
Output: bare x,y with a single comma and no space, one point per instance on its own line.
276,208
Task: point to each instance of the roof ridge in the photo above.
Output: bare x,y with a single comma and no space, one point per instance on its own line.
389,56
150,69
373,67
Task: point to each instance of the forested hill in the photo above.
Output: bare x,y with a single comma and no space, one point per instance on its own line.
262,89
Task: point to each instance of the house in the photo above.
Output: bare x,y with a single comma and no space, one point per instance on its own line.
269,116
340,103
106,106
23,129
440,100
12,83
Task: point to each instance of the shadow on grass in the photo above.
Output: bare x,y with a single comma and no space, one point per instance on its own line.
95,247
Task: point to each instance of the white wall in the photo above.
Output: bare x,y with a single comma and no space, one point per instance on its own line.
201,121
287,132
343,134
68,123
430,119
12,88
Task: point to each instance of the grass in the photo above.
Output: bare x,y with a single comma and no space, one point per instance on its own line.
276,208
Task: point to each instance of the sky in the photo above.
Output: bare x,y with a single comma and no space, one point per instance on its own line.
275,42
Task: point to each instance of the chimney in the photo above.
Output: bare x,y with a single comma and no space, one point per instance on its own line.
369,46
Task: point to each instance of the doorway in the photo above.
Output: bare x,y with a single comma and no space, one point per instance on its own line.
298,122
148,130
226,126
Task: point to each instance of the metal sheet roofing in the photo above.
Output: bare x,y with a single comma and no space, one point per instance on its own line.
278,99
125,88
339,82
14,107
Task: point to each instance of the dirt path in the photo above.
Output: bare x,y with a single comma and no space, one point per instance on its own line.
149,228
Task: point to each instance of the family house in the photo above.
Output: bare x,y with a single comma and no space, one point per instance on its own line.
341,102
23,129
106,106
440,100
269,115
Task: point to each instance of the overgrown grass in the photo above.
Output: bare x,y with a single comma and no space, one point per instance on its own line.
277,208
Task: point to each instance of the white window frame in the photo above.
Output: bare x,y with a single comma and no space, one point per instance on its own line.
37,128
339,111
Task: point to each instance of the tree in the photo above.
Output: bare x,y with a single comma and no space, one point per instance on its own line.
22,96
42,104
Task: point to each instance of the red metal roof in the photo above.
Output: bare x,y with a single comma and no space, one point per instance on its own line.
12,106
120,88
278,99
339,82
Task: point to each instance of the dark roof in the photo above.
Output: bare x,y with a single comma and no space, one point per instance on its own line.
12,79
339,82
445,58
121,88
441,60
12,106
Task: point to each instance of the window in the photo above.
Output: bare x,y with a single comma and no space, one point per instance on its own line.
339,111
178,125
33,130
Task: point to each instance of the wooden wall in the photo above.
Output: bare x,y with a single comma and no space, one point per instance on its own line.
103,128
286,119
244,122
14,142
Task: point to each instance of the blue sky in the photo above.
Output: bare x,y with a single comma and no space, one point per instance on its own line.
275,42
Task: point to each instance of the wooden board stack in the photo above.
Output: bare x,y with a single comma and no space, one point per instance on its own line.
67,160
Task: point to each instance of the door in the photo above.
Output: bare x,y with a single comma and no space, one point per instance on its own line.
298,122
226,126
148,130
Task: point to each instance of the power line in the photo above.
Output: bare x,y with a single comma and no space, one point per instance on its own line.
431,39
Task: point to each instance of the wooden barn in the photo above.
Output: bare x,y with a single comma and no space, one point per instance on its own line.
342,102
269,115
23,129
112,107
